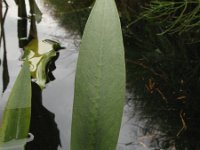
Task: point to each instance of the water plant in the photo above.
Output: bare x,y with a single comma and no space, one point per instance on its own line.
100,81
174,16
102,88
16,117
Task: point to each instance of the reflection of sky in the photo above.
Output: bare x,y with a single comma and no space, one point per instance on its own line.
58,96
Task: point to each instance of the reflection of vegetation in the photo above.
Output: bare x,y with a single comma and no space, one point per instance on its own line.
73,14
16,117
39,54
164,74
4,74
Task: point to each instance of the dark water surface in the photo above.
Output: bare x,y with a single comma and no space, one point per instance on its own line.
150,121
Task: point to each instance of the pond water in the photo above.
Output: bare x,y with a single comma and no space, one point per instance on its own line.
146,125
52,108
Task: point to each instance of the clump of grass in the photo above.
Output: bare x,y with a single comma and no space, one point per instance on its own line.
173,16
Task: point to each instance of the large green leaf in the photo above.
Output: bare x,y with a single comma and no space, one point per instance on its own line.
16,117
100,81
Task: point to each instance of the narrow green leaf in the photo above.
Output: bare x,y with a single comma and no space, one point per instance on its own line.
100,81
16,118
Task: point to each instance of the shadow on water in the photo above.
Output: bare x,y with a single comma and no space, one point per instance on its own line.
163,75
3,50
43,126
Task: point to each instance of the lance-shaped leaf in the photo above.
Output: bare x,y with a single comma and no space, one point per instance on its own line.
100,81
16,118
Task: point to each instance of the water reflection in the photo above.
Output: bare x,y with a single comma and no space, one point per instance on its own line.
43,126
73,15
4,74
39,53
51,68
163,81
47,124
17,144
22,23
163,73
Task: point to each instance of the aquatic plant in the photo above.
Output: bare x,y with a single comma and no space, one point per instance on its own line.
16,117
100,81
173,16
